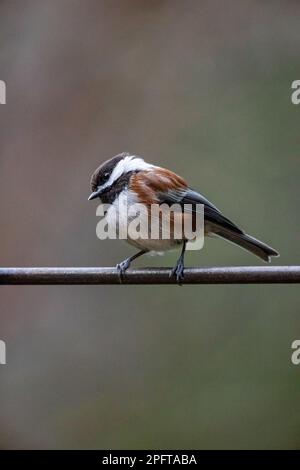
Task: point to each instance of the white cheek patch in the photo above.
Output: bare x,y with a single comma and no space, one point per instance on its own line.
126,165
133,163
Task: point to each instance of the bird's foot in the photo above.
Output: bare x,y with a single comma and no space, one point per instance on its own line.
122,268
178,272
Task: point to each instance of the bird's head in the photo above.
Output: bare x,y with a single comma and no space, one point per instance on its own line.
114,174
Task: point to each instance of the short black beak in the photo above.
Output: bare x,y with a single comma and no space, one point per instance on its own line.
94,195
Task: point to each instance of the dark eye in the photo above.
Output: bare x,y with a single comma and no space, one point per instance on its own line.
106,175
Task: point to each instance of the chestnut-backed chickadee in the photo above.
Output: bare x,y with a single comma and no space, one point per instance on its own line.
141,182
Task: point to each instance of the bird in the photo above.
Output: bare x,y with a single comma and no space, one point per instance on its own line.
130,176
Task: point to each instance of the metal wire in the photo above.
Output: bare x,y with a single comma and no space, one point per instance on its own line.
203,275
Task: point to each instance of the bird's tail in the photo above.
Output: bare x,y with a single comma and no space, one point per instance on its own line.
247,242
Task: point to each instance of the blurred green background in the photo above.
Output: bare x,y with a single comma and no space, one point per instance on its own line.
204,88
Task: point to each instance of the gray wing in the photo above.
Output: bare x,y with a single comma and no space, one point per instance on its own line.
211,213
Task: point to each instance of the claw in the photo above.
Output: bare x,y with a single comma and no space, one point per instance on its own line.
122,268
124,265
178,271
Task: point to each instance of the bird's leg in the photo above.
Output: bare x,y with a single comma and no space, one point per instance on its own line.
178,270
124,265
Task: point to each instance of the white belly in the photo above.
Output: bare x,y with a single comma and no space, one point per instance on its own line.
154,245
118,215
